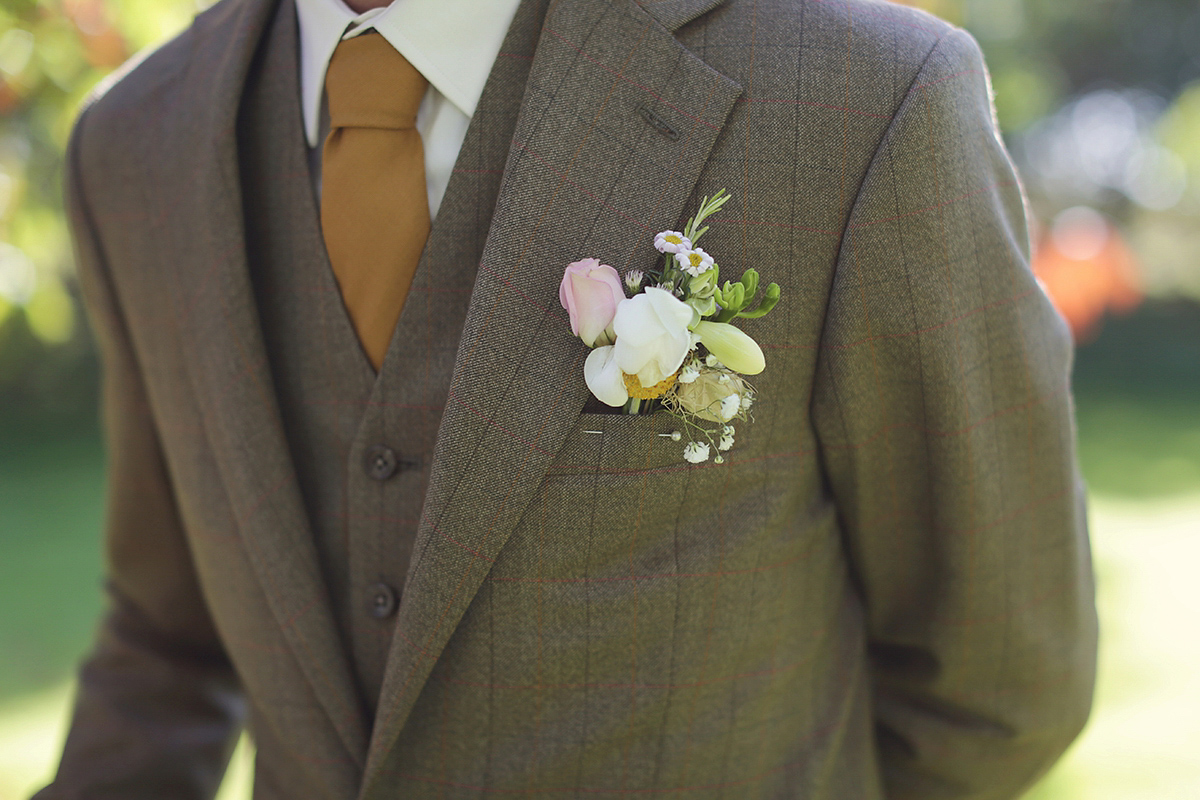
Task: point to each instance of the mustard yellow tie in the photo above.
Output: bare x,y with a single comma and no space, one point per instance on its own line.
374,207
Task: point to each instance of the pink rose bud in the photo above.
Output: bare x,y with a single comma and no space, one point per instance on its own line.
590,292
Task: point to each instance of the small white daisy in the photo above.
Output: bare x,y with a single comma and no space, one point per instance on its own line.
747,401
726,443
689,374
695,452
694,261
672,242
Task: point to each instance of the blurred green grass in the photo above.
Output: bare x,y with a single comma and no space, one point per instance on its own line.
1144,446
51,494
1139,447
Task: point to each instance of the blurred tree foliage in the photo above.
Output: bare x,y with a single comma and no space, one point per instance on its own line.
52,52
1042,53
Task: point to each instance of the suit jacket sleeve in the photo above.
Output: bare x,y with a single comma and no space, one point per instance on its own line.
157,704
944,416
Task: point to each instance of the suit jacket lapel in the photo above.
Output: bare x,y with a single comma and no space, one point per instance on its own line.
586,176
229,368
674,14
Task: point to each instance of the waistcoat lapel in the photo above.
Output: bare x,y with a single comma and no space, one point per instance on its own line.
586,175
228,367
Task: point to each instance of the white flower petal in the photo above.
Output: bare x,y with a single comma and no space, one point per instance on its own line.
694,262
671,242
730,406
603,376
652,335
673,312
632,357
695,452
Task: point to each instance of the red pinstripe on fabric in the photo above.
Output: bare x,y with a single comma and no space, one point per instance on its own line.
972,561
811,104
579,186
620,76
1016,514
816,733
787,562
732,461
710,681
917,332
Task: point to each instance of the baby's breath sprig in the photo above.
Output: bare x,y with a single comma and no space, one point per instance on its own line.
702,437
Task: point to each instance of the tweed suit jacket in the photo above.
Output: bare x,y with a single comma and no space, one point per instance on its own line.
885,592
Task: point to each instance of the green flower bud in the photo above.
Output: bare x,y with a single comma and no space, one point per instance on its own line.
750,281
704,306
704,284
769,301
732,347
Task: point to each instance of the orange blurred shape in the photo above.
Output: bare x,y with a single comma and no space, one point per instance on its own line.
105,50
103,46
10,98
1087,270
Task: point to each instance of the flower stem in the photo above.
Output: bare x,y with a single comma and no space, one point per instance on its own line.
635,405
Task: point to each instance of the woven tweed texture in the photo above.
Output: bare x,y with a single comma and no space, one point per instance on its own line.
886,590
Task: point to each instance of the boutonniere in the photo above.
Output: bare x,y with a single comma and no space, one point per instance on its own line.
670,345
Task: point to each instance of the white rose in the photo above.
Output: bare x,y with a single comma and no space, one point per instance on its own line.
652,335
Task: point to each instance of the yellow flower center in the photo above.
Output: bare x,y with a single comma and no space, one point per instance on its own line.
674,239
696,259
635,388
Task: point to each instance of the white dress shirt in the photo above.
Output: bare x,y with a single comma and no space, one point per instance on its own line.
453,43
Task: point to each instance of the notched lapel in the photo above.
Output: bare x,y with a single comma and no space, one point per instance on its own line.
674,14
230,374
586,176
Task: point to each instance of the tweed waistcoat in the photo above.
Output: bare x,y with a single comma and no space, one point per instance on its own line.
340,419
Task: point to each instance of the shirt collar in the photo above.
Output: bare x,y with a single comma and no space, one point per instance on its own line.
452,42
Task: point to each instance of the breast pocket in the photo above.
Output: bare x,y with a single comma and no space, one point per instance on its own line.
611,444
619,502
625,554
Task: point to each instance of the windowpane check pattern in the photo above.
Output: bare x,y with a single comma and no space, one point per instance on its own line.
885,591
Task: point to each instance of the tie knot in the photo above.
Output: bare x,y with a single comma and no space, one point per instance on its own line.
370,85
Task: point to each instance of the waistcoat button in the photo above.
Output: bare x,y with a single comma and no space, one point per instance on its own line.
383,601
380,462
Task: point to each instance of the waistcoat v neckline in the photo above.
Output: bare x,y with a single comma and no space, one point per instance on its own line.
336,410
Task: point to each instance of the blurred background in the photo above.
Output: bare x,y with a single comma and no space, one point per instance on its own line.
1099,101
